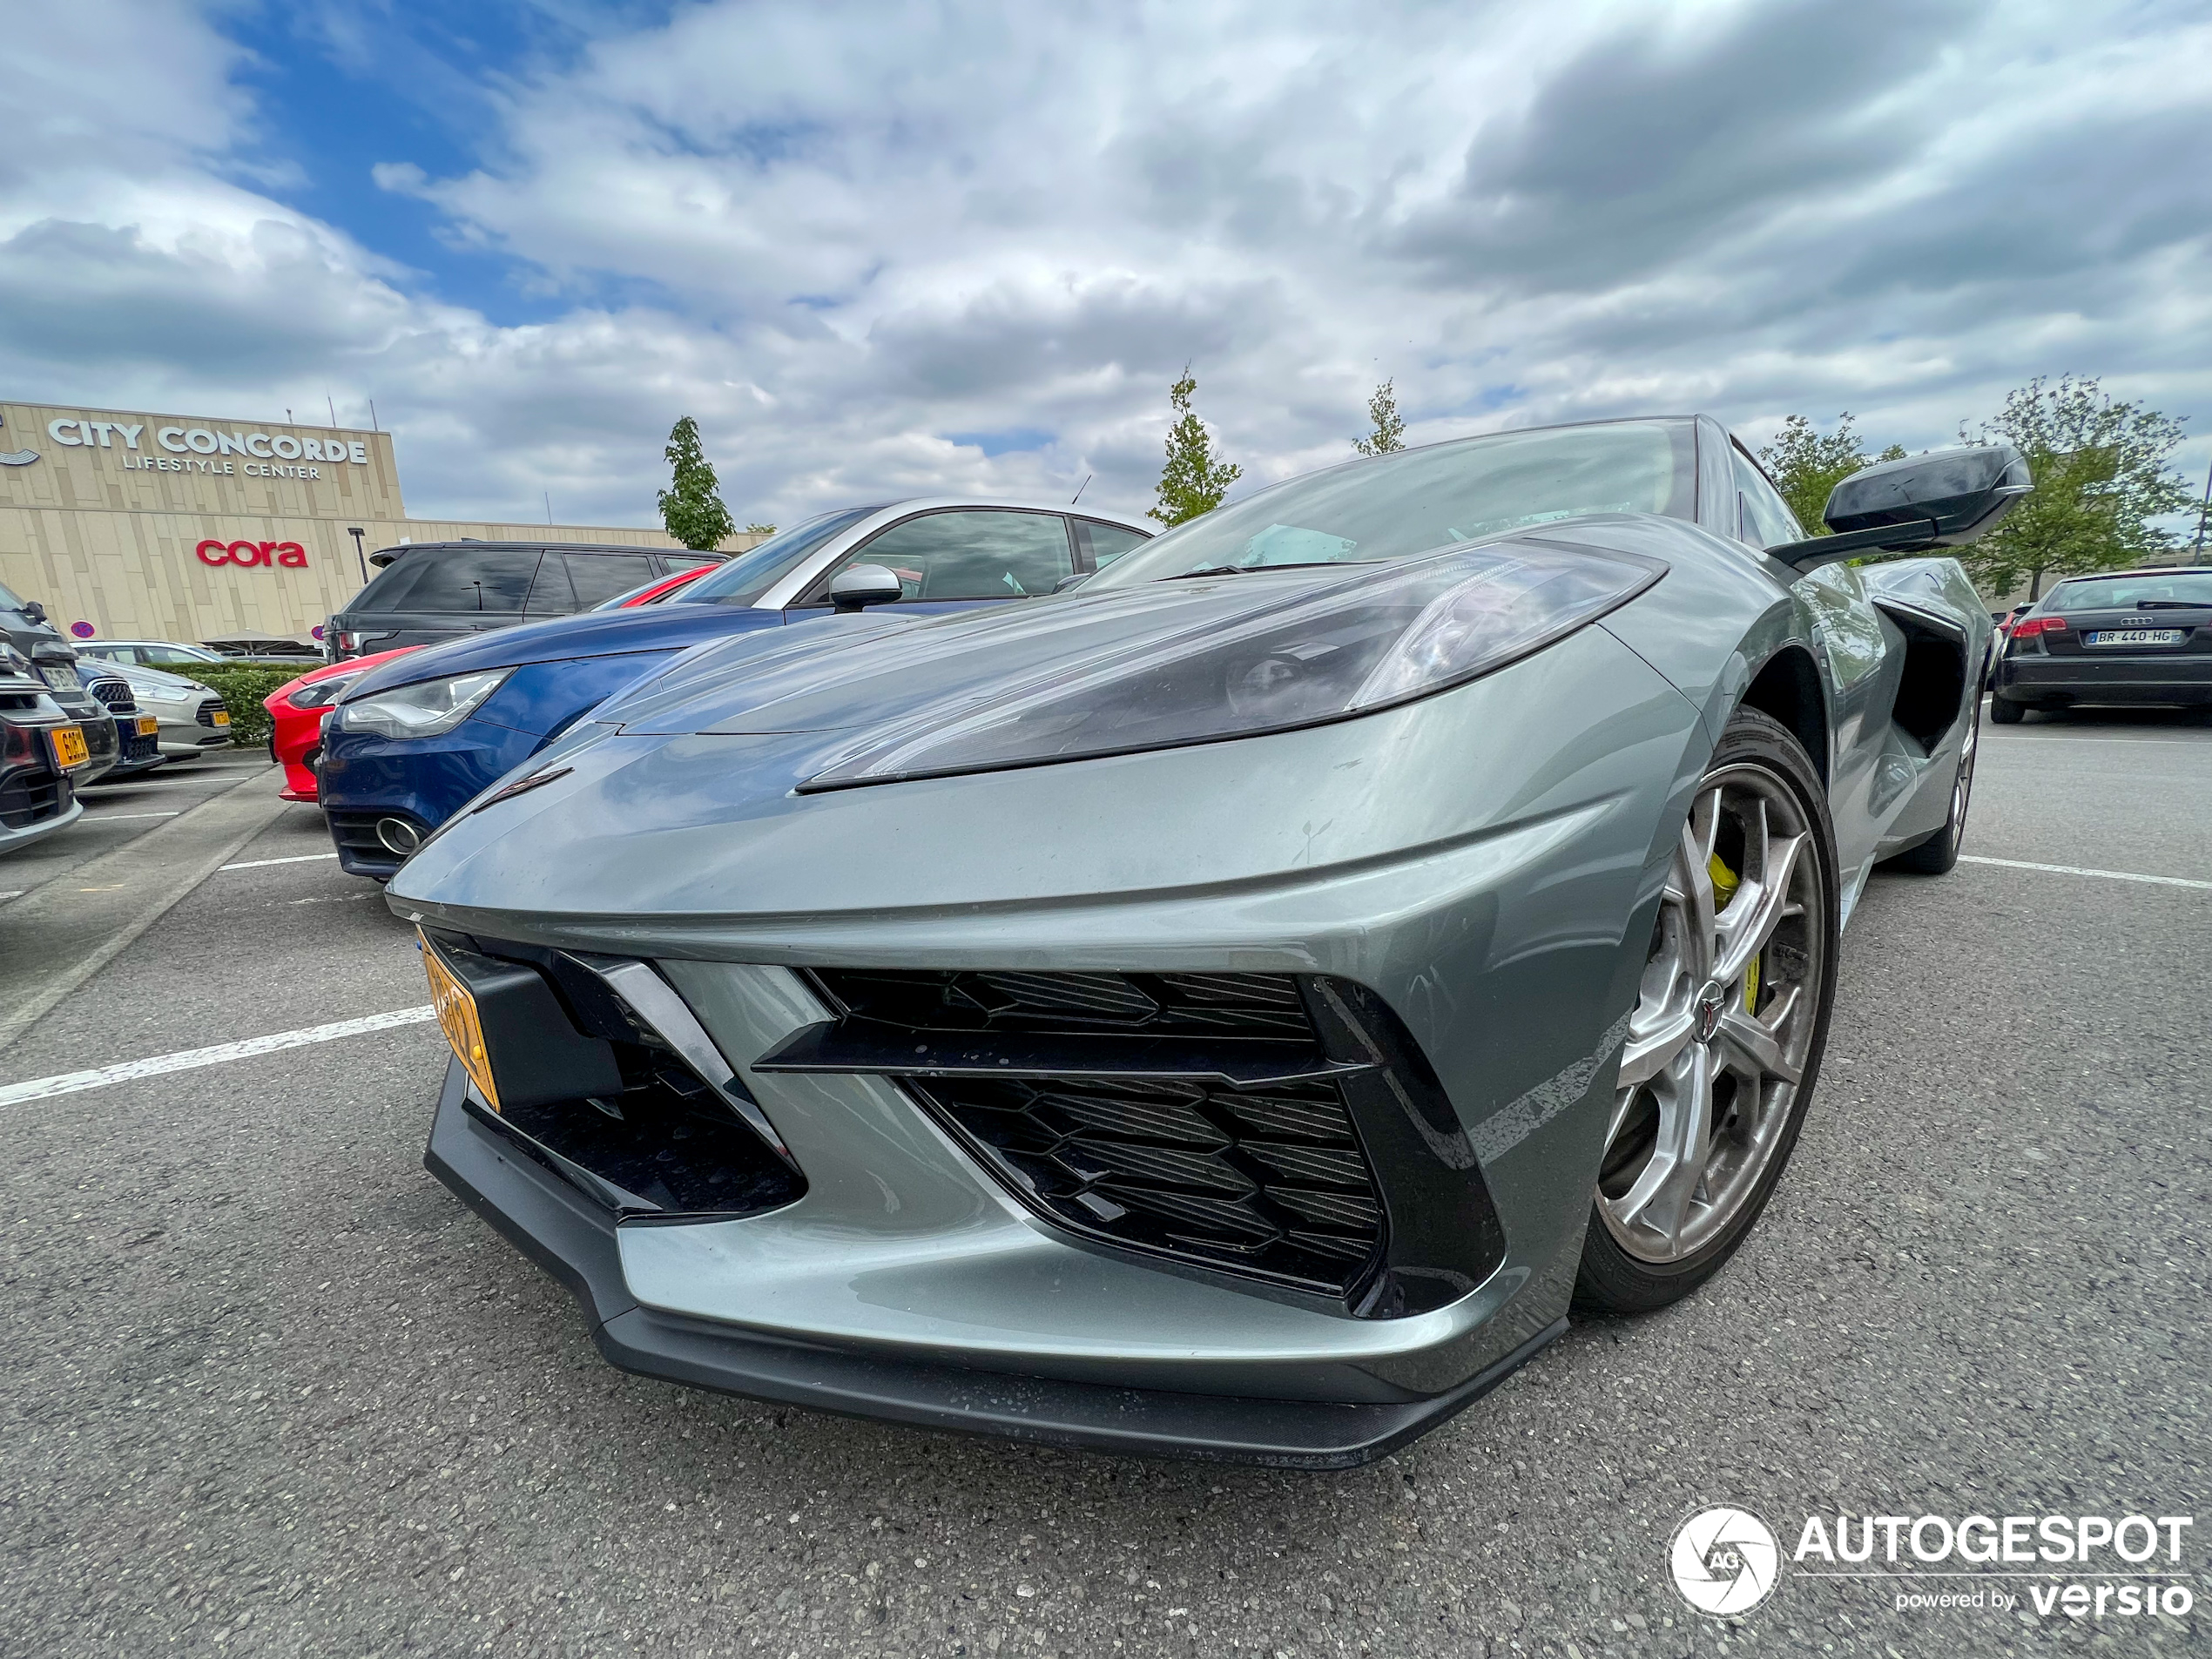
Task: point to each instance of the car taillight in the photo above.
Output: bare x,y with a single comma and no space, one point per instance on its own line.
2029,627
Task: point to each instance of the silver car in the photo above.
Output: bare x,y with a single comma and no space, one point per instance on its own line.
194,719
1239,1006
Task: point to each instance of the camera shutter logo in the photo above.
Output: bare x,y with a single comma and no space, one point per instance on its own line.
1724,1561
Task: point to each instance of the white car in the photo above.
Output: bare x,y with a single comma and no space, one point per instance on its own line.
193,718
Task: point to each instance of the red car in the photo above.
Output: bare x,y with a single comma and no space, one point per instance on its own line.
298,708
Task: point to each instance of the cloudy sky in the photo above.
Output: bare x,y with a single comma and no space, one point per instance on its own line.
894,247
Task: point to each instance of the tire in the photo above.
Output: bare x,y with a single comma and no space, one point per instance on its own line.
1938,855
2004,711
1667,1212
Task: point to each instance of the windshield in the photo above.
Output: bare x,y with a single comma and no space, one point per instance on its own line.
2128,592
747,576
1418,500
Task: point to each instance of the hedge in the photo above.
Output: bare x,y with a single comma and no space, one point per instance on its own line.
243,688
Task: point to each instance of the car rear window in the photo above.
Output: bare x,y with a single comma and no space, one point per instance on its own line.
2119,592
446,580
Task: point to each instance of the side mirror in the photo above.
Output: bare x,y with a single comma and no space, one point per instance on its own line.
1945,498
35,611
861,585
1075,580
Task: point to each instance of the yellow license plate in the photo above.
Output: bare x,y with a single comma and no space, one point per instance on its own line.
70,749
148,726
222,717
456,1010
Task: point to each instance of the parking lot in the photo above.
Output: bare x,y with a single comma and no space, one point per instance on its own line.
272,1389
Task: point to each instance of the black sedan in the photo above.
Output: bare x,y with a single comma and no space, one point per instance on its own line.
2127,637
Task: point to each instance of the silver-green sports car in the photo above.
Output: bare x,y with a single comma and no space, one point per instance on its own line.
1235,1007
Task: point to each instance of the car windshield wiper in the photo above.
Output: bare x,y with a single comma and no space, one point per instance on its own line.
1248,569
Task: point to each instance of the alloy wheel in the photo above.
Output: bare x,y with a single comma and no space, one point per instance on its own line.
1724,1021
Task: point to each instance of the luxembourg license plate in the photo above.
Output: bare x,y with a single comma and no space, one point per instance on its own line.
222,717
149,726
71,751
2134,636
456,1006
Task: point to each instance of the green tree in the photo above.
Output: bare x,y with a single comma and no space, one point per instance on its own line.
1389,434
1806,463
2101,477
1196,477
760,529
692,509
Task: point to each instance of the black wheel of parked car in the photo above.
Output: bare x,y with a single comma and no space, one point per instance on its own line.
1938,855
2004,711
1726,1040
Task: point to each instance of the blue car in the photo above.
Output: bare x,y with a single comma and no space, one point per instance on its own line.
417,739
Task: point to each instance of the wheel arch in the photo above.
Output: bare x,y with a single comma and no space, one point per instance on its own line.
1787,688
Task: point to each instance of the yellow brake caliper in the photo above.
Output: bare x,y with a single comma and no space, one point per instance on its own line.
1725,882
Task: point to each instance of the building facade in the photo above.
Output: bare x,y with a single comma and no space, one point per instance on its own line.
129,524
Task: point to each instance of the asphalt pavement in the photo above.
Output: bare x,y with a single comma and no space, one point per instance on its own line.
272,1390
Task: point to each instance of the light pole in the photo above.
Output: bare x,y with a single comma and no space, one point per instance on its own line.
357,535
2197,546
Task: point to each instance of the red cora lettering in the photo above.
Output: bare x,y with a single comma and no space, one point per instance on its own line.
292,556
219,556
249,553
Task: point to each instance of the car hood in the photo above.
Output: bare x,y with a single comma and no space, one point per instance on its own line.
592,633
153,682
839,673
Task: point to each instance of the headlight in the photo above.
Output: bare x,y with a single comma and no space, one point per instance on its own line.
422,710
1383,636
322,693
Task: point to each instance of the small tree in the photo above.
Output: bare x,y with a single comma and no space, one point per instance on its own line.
1806,463
760,529
2101,477
1389,434
1196,477
693,509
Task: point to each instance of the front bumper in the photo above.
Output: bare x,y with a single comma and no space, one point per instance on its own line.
575,1239
360,780
2062,681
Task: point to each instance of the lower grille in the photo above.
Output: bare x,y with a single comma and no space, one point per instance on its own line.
354,832
206,714
30,797
1272,1182
1267,1126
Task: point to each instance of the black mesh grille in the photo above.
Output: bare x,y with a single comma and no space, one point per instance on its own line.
116,694
30,798
1249,1005
1263,1179
206,714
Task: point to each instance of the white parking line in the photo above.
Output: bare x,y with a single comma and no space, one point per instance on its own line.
2102,875
263,864
117,818
69,1083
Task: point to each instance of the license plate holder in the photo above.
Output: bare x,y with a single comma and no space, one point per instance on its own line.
2104,638
222,717
455,1007
149,726
71,751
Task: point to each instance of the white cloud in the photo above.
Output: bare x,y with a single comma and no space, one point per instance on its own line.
841,235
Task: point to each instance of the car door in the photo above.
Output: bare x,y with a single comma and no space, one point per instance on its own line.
955,557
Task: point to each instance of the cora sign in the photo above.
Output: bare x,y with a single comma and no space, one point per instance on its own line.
261,554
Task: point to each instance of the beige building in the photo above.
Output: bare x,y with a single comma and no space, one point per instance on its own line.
137,525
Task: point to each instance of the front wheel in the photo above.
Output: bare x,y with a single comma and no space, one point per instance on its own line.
1725,1041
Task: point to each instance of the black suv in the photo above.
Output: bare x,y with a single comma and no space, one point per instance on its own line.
435,591
50,660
